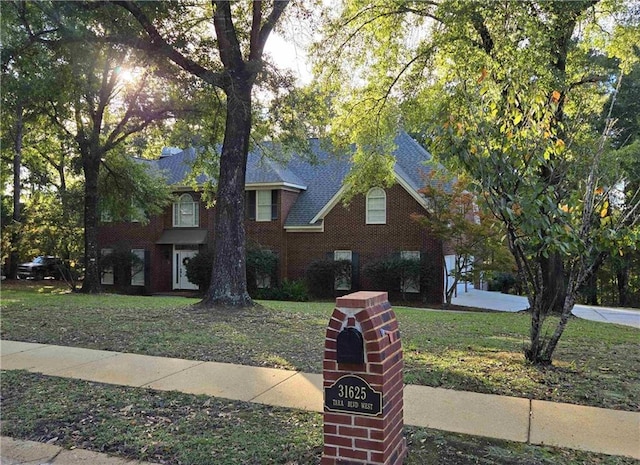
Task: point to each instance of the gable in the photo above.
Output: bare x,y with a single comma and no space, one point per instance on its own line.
410,171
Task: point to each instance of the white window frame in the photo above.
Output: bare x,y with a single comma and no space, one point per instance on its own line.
106,277
137,269
409,285
338,255
186,212
263,205
376,214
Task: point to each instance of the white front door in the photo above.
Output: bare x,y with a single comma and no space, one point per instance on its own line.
181,258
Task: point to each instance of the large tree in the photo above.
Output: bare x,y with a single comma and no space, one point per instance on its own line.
25,84
105,111
222,44
241,33
94,105
510,93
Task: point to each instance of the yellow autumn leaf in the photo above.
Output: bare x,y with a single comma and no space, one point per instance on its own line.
605,209
559,143
564,208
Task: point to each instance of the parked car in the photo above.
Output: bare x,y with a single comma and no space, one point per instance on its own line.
42,267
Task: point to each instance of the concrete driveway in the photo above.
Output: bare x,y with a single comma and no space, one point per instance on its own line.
514,303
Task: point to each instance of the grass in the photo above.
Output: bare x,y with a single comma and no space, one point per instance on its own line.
595,364
176,428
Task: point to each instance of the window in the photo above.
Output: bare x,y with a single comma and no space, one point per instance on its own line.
343,276
137,267
376,206
186,212
410,279
106,277
262,205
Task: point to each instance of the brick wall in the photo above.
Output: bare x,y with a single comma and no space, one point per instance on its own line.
271,234
133,235
345,228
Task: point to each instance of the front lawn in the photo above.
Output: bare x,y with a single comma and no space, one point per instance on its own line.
182,429
595,363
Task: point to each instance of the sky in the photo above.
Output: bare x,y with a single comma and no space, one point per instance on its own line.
288,54
287,47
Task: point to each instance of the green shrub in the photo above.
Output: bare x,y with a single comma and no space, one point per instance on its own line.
261,263
321,276
502,282
383,275
294,291
199,269
389,273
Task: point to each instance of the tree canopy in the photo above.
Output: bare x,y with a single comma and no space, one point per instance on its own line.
215,49
513,94
87,108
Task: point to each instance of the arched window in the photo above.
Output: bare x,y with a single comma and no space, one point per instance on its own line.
185,212
376,206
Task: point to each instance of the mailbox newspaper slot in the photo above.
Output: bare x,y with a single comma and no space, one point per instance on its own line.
350,346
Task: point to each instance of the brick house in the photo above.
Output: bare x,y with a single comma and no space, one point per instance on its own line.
293,208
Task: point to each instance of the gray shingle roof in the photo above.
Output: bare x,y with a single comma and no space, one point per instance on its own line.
176,167
263,170
318,179
323,179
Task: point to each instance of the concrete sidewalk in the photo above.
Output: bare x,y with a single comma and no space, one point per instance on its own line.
18,452
510,418
515,303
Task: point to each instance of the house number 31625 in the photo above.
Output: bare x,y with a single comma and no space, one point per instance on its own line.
352,392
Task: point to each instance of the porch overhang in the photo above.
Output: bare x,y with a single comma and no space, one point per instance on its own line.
183,236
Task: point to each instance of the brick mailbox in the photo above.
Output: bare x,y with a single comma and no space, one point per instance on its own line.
362,380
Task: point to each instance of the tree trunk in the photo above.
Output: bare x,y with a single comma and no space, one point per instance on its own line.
590,288
91,167
17,189
622,276
554,284
547,353
534,353
228,278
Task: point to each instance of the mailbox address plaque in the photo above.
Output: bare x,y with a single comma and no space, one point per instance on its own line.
352,394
